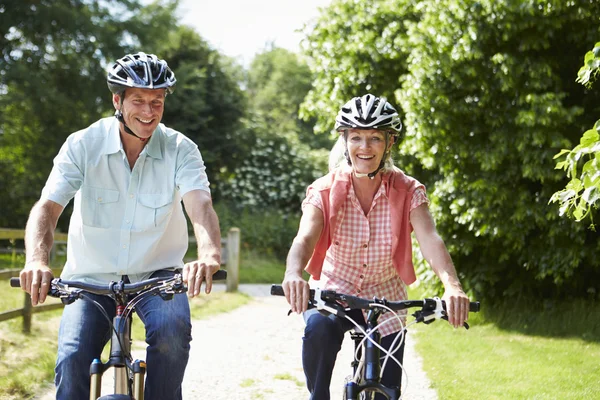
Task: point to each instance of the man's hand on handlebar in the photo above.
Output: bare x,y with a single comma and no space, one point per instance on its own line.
297,292
35,280
197,271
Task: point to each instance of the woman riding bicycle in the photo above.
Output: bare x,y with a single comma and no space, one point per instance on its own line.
355,238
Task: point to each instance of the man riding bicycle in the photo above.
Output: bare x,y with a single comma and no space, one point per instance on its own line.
128,175
355,238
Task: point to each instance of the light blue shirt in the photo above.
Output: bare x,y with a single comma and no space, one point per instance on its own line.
124,221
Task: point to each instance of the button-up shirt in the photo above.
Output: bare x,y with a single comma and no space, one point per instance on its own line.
359,260
125,221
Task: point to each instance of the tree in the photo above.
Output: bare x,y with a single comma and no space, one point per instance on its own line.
580,197
208,103
284,155
278,81
53,81
487,101
355,47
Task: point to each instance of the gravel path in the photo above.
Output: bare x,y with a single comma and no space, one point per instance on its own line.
254,352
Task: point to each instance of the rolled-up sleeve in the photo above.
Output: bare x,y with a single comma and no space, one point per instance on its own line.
191,172
312,197
66,176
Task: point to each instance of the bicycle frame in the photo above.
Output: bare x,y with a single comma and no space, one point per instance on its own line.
128,376
369,366
366,375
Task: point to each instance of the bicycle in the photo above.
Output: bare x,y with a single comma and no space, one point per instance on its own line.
129,374
367,368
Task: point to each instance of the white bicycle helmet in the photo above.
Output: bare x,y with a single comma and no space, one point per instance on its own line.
368,112
140,70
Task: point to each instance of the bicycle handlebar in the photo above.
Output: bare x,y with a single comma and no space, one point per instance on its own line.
59,286
330,301
365,304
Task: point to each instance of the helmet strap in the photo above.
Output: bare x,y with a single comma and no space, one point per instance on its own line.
121,119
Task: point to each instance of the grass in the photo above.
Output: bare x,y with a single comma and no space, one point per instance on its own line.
255,268
515,353
26,361
288,377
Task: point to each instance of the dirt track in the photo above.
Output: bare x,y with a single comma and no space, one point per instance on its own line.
254,352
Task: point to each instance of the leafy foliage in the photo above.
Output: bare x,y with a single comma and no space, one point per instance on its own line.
355,47
208,103
284,156
580,197
487,103
274,174
53,81
278,80
263,230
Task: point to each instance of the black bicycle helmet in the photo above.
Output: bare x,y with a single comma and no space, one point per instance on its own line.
140,70
368,112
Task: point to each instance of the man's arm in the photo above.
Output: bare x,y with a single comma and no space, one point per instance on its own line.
296,289
198,205
435,252
39,238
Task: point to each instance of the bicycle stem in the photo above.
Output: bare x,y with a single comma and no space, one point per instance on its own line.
372,367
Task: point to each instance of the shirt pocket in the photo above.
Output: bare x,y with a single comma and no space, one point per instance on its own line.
99,207
153,210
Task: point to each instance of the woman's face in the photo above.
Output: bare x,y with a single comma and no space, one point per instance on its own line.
366,148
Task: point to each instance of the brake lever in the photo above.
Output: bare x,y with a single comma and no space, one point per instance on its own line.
465,325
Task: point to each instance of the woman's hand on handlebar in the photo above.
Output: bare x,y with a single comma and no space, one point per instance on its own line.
35,280
457,306
297,292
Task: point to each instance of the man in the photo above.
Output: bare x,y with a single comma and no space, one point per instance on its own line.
128,175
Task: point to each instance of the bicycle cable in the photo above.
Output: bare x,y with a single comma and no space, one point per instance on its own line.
388,353
84,296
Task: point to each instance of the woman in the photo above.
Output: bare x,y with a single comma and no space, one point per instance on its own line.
355,238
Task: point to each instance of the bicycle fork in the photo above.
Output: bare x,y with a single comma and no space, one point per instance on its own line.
371,379
120,345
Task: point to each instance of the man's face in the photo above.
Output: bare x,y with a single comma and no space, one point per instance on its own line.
142,109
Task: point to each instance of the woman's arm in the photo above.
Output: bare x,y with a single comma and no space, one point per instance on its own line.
296,289
435,252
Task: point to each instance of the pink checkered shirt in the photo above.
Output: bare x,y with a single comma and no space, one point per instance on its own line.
359,261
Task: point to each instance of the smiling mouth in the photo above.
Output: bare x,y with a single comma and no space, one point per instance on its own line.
145,121
365,157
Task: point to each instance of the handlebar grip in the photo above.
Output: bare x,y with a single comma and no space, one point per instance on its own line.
220,275
277,290
474,306
15,282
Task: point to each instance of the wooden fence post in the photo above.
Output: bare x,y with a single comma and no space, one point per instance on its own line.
27,311
233,259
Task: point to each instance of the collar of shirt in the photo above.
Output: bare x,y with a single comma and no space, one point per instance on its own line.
382,191
114,144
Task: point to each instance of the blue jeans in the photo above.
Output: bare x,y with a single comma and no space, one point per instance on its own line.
84,332
322,341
